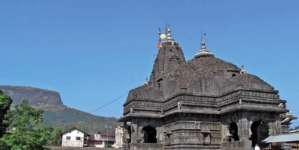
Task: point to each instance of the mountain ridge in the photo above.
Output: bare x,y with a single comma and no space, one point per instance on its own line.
35,96
56,114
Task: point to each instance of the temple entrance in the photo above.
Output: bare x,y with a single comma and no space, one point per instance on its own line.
233,130
255,133
130,135
149,134
260,131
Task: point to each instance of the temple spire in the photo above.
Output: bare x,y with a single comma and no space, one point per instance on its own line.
203,52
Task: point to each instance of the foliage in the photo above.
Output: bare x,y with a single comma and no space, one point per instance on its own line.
25,127
5,102
67,118
296,127
56,137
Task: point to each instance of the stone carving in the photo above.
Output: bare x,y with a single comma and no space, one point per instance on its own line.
281,105
179,105
270,128
289,113
227,134
162,111
207,138
141,138
131,110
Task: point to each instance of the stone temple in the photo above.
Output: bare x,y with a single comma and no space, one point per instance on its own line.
202,104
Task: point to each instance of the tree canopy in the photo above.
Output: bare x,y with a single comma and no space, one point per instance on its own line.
5,102
25,127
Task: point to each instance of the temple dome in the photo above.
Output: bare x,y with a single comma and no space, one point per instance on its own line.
208,75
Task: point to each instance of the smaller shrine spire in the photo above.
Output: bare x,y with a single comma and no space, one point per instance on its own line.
242,70
146,81
203,52
168,35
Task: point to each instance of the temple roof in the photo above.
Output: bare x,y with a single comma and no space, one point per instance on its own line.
213,76
145,92
249,82
203,75
204,84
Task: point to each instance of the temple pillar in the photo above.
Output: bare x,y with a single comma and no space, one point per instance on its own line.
134,133
245,131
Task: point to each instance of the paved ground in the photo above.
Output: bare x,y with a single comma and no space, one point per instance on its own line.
82,148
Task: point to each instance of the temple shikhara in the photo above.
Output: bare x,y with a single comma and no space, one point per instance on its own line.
202,104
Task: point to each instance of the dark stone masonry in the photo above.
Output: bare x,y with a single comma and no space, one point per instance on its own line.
205,103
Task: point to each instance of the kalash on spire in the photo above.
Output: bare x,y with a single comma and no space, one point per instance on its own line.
167,37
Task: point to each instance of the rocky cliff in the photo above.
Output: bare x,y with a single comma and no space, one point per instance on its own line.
55,113
35,96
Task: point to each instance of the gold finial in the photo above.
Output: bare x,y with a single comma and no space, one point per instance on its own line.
168,35
203,45
168,29
203,52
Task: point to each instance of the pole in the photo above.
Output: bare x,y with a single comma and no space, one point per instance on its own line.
201,36
107,137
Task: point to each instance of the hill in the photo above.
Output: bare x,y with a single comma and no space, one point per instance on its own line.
66,118
35,96
57,114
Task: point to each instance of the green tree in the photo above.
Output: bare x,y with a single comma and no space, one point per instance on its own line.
56,137
5,102
26,130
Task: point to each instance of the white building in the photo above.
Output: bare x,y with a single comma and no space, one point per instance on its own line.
119,132
74,138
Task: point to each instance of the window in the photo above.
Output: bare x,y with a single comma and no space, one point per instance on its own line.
68,138
78,138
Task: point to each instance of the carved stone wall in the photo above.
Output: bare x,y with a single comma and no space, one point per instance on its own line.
269,125
143,106
192,133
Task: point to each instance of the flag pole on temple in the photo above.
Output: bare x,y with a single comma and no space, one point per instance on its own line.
159,41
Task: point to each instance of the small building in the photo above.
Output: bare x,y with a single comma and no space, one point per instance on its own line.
75,138
108,136
96,141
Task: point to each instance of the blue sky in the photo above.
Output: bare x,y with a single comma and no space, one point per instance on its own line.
95,51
